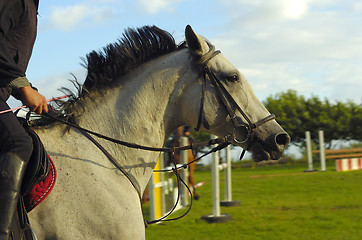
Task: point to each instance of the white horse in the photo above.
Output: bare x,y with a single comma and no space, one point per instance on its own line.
140,90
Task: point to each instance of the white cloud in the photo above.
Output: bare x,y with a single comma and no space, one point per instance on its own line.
276,10
357,7
309,46
294,9
68,18
155,6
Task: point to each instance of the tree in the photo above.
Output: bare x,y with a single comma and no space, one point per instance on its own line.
296,114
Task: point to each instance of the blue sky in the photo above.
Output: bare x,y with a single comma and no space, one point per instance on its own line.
312,46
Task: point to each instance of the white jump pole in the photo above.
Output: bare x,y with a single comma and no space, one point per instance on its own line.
164,189
216,215
215,184
227,195
322,150
152,198
228,202
184,172
309,152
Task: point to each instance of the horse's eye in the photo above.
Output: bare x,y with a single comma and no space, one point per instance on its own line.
232,78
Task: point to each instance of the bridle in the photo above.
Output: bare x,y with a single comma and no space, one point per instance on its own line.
226,100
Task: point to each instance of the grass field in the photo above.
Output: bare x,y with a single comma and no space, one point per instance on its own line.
277,202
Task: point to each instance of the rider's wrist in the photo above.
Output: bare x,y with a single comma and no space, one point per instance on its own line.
19,83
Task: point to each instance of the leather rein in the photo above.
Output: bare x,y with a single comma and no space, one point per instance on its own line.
225,99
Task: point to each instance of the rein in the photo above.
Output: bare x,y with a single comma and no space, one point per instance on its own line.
138,146
222,143
226,101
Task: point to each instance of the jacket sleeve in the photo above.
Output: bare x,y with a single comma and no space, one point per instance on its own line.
11,12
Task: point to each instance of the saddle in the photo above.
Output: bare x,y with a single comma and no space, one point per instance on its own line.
38,181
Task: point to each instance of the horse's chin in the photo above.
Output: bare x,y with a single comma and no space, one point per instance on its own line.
260,153
259,156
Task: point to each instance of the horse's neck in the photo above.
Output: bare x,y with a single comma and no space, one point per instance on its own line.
143,110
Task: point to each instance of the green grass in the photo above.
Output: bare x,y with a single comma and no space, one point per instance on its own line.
277,202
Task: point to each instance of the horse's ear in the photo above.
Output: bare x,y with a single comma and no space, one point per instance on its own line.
194,41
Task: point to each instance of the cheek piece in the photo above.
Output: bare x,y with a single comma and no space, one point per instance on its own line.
226,100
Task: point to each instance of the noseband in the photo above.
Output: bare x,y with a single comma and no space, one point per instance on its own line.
227,100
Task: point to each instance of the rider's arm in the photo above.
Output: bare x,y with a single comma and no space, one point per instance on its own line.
11,13
10,74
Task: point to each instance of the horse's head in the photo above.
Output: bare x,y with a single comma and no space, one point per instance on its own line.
229,106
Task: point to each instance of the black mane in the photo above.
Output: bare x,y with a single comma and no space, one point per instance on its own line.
105,67
117,59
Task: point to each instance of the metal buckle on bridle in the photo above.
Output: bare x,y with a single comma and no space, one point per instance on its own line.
250,135
250,128
246,138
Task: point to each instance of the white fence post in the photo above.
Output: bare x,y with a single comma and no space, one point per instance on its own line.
309,152
228,202
151,190
215,184
184,172
216,215
322,150
228,195
164,188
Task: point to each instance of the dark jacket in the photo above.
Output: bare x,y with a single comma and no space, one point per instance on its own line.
18,28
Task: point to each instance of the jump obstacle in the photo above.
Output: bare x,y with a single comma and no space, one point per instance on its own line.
348,164
346,159
163,194
216,215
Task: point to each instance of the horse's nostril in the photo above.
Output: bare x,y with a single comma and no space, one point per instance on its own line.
282,140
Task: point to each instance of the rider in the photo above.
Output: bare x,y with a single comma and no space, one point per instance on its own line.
18,27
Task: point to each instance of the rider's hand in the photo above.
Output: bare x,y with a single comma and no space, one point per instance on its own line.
33,100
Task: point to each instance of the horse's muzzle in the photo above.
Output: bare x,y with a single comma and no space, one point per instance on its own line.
271,148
